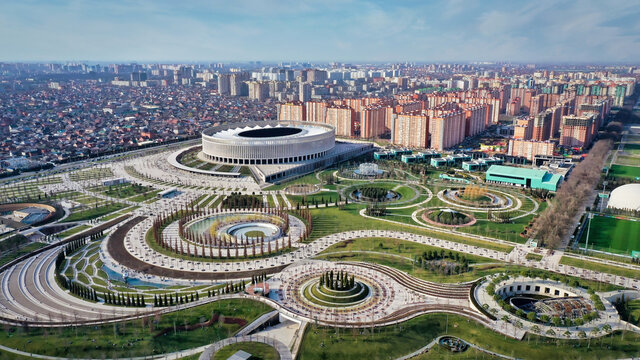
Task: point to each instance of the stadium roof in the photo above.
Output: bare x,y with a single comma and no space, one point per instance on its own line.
625,197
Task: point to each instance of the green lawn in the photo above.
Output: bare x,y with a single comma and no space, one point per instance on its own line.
625,171
394,341
94,212
610,269
332,220
612,235
258,351
135,338
414,270
95,173
73,230
307,179
532,256
9,256
126,190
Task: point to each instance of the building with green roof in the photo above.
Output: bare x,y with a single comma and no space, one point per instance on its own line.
528,178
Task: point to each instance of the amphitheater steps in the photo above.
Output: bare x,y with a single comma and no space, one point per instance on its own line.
452,291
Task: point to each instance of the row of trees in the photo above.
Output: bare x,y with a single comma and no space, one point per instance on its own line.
78,289
136,300
341,282
256,279
432,260
73,246
556,221
239,201
374,192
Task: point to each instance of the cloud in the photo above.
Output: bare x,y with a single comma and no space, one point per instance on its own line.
355,30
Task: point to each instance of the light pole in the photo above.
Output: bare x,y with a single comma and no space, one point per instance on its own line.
586,245
604,185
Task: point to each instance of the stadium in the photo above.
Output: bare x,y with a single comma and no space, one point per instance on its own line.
275,150
267,142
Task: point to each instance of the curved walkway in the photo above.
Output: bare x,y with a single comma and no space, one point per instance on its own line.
282,349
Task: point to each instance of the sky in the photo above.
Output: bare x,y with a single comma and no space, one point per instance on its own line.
320,31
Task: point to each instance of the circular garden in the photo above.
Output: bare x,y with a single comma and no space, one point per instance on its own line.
336,290
373,193
448,217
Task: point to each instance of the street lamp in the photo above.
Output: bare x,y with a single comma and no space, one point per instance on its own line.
586,245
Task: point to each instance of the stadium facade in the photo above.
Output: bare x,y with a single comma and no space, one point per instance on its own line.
275,150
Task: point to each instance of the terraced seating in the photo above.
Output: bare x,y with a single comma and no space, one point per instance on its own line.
452,291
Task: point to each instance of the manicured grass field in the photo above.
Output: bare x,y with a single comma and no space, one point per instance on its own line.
612,235
73,230
532,256
94,212
257,350
135,338
11,255
394,341
126,190
625,171
332,220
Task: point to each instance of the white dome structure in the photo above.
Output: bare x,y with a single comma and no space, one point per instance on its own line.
625,197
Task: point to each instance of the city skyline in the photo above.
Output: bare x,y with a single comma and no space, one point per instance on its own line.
351,31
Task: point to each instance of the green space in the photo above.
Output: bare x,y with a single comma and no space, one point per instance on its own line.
448,217
93,213
600,267
91,174
155,335
509,231
612,235
145,196
401,254
13,243
333,220
254,233
119,213
307,179
535,257
9,256
439,352
73,230
330,197
258,351
625,171
391,342
225,168
123,191
630,311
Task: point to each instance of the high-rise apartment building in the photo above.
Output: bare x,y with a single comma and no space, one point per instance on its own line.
372,121
446,129
224,84
294,110
577,131
316,111
304,92
258,90
342,118
238,85
530,148
523,128
410,130
542,126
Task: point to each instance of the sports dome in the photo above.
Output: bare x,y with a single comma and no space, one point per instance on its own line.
625,197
